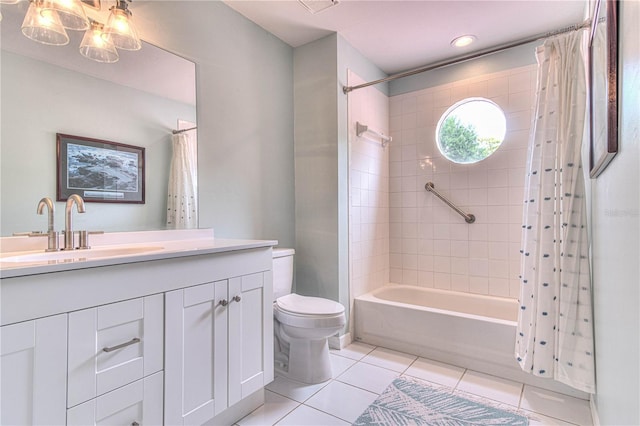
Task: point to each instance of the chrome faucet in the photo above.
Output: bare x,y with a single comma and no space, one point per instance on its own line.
52,236
69,243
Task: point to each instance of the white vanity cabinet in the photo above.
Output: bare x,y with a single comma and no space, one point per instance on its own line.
140,341
33,369
217,352
112,346
138,403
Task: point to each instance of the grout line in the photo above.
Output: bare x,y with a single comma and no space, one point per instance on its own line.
521,397
329,414
460,379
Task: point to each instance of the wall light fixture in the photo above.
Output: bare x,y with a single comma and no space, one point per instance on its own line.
120,29
46,22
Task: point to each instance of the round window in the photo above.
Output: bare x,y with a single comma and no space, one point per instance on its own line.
471,130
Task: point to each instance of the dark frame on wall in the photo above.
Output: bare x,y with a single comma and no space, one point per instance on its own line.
99,171
603,85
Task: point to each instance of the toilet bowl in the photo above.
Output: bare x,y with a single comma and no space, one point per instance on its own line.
302,325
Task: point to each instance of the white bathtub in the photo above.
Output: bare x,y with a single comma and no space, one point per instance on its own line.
471,331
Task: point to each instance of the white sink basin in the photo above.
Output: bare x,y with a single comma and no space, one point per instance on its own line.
79,255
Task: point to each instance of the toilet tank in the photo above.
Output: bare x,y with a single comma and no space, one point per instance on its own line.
282,271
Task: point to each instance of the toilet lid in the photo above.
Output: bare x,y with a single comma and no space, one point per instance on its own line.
297,304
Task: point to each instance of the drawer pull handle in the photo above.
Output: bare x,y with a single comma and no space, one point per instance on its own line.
235,299
223,302
122,345
135,424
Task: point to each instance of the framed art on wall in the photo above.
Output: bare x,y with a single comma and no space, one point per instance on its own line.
603,84
98,170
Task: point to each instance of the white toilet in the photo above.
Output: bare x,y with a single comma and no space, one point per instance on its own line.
301,326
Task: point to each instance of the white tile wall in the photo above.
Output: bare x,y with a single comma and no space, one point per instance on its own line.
369,213
430,245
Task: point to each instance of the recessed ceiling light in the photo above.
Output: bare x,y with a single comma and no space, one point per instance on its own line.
463,41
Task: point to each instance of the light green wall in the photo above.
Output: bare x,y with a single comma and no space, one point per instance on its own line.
245,115
316,169
322,164
616,246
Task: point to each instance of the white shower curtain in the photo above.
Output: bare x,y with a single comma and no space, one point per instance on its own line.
555,332
182,202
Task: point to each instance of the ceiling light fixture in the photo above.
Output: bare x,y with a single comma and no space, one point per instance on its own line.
71,13
120,29
44,26
94,46
463,41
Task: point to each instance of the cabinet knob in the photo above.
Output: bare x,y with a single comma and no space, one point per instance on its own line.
135,424
235,299
223,302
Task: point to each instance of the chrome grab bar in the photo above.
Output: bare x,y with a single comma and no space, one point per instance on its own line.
468,217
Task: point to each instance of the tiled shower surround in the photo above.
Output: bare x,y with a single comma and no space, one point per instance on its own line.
368,192
430,244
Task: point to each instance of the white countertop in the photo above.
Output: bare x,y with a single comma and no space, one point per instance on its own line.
135,247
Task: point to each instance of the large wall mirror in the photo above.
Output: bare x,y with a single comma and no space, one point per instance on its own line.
46,90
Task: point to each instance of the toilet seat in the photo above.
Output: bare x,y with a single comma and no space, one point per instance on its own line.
305,305
308,312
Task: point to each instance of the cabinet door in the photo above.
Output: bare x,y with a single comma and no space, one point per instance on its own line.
33,372
138,403
191,380
246,336
113,345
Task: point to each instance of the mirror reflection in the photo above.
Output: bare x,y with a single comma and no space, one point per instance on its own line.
140,100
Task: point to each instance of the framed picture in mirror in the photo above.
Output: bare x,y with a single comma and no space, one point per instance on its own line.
99,171
95,4
603,85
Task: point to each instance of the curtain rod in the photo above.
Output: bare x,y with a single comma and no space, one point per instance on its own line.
175,132
463,58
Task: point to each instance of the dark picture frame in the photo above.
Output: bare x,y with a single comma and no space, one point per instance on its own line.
95,4
99,171
603,85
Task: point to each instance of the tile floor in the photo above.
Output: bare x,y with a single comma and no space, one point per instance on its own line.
361,372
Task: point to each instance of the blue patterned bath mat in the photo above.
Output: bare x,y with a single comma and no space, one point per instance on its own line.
410,402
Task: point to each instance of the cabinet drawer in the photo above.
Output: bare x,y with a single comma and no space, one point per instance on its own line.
113,345
139,402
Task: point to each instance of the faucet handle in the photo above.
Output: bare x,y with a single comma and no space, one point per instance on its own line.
52,243
29,234
84,238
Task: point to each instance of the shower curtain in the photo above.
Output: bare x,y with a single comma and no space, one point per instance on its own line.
182,205
555,332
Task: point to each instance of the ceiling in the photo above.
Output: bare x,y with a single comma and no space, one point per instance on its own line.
397,35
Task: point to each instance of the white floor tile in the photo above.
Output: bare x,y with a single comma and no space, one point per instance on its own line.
567,408
341,400
294,390
275,407
340,364
537,419
392,360
307,416
368,377
491,387
355,350
436,372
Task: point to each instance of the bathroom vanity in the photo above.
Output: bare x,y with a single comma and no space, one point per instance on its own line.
167,327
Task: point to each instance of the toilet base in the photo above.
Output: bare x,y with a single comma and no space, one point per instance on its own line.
309,361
